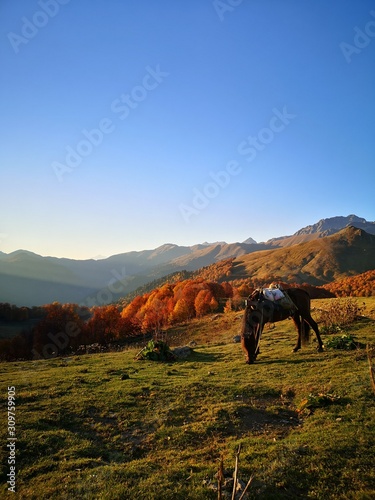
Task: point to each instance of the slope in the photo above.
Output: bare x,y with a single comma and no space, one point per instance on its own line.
321,229
350,251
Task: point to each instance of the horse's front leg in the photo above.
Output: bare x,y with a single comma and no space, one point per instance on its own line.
298,325
247,346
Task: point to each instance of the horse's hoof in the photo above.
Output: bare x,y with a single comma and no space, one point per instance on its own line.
320,349
296,349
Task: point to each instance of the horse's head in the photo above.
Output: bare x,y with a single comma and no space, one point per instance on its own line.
252,326
258,312
255,296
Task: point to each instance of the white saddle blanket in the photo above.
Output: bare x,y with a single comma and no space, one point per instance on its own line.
273,294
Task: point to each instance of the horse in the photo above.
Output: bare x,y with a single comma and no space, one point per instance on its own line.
260,311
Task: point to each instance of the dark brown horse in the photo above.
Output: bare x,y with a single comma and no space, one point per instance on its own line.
260,311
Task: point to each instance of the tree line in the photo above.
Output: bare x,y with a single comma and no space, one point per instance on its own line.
59,329
360,285
63,328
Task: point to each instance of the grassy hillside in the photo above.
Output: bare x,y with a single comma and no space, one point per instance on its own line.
109,427
349,252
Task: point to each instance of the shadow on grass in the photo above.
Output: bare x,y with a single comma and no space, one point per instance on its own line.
267,418
205,357
288,361
88,440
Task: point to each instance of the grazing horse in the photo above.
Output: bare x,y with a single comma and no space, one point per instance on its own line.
260,311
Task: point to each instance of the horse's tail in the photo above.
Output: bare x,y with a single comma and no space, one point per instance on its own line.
305,337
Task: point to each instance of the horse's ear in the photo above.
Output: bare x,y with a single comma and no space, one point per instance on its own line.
249,301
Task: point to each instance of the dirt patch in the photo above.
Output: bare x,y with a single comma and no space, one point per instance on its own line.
259,421
268,416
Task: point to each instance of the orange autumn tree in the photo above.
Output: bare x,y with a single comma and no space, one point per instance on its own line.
155,314
205,303
151,311
189,293
107,325
104,326
131,310
176,303
184,294
181,312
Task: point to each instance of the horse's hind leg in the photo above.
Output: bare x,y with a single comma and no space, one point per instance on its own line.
298,325
314,326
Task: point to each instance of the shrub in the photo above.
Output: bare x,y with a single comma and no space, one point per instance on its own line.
340,313
345,342
320,400
156,350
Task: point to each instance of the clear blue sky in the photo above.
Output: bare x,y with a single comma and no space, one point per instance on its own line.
119,117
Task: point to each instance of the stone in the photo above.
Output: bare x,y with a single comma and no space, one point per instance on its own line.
182,352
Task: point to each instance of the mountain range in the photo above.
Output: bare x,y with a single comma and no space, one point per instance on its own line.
315,254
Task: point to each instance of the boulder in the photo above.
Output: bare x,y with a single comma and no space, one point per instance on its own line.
182,352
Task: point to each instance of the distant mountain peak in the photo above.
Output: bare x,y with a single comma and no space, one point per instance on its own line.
250,241
333,224
22,255
21,251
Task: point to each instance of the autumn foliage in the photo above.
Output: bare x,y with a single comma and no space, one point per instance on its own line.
58,329
63,328
360,285
177,303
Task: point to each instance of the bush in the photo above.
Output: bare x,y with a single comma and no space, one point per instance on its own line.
156,350
312,401
340,313
345,342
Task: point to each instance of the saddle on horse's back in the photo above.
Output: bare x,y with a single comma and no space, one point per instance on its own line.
273,294
279,297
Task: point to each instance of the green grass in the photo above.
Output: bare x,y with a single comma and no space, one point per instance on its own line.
85,431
